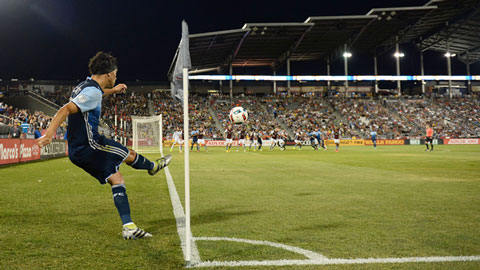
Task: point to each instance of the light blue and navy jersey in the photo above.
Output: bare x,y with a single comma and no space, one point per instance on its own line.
318,135
374,135
194,134
82,130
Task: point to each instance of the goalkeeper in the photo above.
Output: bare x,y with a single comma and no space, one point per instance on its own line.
97,155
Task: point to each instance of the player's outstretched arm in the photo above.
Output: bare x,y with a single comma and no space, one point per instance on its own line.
58,119
119,88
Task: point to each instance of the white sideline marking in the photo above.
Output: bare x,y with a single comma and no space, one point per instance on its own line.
338,261
180,218
307,253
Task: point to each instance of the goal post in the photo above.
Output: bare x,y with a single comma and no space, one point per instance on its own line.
147,134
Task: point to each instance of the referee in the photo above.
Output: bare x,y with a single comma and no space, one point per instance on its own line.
429,138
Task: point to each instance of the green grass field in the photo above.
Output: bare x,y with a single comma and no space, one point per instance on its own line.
395,201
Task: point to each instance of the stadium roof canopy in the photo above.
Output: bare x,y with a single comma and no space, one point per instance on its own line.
437,25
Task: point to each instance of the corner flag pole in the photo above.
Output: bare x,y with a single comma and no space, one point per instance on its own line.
182,64
188,248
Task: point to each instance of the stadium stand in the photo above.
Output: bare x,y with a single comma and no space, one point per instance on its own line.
391,117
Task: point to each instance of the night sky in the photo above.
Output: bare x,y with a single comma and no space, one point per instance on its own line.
54,39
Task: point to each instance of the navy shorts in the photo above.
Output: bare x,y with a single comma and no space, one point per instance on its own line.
102,160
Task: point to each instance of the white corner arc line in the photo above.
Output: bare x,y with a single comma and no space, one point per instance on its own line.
307,253
179,214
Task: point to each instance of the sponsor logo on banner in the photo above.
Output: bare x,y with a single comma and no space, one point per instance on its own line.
16,150
9,151
58,148
414,141
461,141
29,150
385,142
345,142
234,143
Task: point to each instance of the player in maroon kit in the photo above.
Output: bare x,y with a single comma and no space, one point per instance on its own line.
229,138
336,138
241,139
201,138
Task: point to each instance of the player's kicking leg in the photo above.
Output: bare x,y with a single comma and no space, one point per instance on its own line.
139,162
130,231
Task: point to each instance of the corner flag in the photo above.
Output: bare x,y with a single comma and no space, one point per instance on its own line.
183,61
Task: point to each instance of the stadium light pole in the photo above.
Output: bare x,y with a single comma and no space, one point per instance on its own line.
398,55
288,74
449,68
328,73
230,70
274,82
422,71
375,70
346,55
469,83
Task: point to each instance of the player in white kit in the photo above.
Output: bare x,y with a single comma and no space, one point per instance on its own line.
177,139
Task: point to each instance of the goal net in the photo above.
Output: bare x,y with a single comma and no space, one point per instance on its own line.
147,134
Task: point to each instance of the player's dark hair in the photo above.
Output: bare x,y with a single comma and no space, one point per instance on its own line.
102,63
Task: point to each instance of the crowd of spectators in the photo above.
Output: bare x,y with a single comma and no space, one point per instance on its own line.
392,118
171,110
458,117
22,123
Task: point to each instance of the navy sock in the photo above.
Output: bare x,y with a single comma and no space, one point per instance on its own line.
141,163
120,199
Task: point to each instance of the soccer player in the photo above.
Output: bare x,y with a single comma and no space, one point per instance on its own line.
201,139
273,138
259,135
177,139
324,139
336,138
313,139
241,140
373,134
195,140
281,139
297,141
229,138
97,155
429,138
318,136
253,140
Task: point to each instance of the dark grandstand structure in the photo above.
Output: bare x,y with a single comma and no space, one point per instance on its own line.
442,26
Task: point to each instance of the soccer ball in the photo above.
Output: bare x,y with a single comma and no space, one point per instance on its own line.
238,115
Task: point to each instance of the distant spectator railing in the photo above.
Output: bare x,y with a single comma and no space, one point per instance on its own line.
44,100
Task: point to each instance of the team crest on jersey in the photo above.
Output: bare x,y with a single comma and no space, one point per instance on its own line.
81,98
